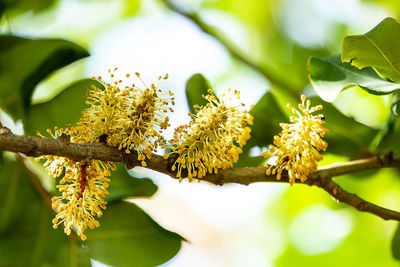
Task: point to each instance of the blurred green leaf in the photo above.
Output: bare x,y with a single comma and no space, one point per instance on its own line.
123,185
129,237
329,76
395,107
282,53
18,6
246,160
389,139
65,108
196,86
378,48
3,6
396,243
267,116
254,13
392,5
131,7
346,136
26,234
25,62
269,44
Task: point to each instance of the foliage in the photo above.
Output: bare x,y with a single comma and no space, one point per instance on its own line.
36,60
379,48
375,57
128,236
123,237
330,76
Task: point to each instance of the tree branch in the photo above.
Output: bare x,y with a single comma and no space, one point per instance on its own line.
273,79
36,183
36,146
355,201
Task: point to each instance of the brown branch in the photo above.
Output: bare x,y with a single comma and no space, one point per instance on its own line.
36,183
36,146
355,201
273,79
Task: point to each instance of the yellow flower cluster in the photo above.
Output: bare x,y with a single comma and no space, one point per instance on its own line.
298,144
83,189
131,118
213,138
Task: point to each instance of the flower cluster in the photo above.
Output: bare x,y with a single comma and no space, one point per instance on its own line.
298,144
83,188
213,138
131,118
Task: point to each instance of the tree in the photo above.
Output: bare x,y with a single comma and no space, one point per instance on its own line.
128,132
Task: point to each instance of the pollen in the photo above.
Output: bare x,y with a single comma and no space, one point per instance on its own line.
213,138
297,146
129,117
82,188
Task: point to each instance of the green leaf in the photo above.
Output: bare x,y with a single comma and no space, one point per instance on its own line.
127,236
26,234
267,116
394,106
19,6
378,48
245,160
131,7
65,108
123,185
346,136
396,243
196,86
329,76
389,139
25,62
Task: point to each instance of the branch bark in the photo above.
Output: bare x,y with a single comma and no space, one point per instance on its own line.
36,146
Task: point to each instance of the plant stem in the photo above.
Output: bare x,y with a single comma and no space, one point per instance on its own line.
36,146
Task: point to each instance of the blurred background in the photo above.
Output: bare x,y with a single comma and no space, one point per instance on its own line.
253,46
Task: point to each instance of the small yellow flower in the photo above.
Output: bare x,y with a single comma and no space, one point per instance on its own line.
130,118
298,144
83,189
98,122
143,118
213,138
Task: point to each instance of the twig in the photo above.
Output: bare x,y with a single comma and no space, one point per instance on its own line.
35,181
355,201
36,146
279,83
